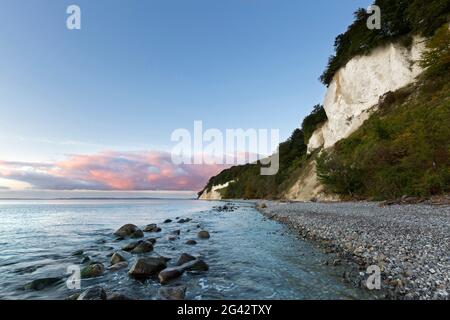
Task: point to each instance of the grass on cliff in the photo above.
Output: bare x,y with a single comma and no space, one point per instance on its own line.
404,148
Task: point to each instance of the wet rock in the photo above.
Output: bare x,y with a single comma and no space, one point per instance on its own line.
77,253
116,258
126,230
173,293
92,271
176,232
41,284
172,238
119,239
94,293
195,265
73,296
152,228
130,246
169,274
118,266
86,260
203,234
167,221
137,234
184,220
143,247
117,296
184,258
152,240
146,267
191,242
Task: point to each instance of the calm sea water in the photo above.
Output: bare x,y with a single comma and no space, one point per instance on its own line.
249,256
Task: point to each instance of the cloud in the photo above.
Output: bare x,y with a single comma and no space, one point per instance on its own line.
4,188
111,171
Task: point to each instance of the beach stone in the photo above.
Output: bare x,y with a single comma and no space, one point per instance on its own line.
167,221
152,228
117,297
169,274
40,284
152,240
191,242
176,232
184,258
118,266
172,238
93,270
77,253
94,293
130,246
143,247
126,230
184,220
137,234
195,265
116,258
146,267
173,293
203,234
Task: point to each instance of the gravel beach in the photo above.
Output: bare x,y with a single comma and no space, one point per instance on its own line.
410,243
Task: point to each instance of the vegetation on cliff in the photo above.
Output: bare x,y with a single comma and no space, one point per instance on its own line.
248,181
400,20
404,148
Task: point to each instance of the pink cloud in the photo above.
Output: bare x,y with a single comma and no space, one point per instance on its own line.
112,171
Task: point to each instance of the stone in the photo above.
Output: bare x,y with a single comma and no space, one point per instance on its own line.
152,228
130,246
93,293
191,242
146,267
126,230
173,293
118,266
167,221
116,258
184,258
77,253
40,284
137,234
203,234
195,265
172,238
176,232
143,247
117,297
92,271
169,274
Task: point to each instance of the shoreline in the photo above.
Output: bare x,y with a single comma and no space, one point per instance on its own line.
410,243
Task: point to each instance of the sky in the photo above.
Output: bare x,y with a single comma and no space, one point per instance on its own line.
94,109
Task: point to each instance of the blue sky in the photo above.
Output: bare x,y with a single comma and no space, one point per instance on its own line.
140,69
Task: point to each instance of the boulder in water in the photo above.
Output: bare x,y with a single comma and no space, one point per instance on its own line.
93,293
143,247
191,242
118,266
93,270
130,246
152,228
137,234
203,234
116,258
184,258
169,274
40,284
126,230
173,293
146,267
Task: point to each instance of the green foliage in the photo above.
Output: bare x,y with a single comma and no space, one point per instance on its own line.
313,121
437,56
248,181
400,19
402,149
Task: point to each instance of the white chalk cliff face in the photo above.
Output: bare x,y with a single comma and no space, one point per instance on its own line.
356,89
214,194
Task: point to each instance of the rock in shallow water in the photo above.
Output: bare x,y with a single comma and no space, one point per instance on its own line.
152,228
117,296
169,274
146,267
118,266
143,247
94,293
191,242
167,221
93,270
116,258
184,258
40,284
173,293
137,234
203,234
126,230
